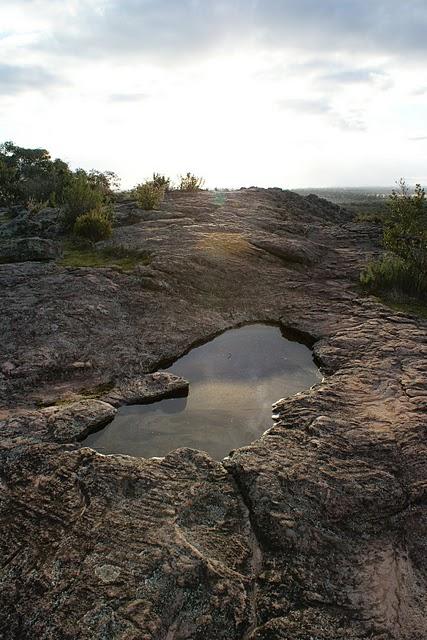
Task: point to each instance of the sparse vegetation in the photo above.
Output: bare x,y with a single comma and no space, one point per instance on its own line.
375,214
34,206
161,181
190,182
149,195
402,273
93,226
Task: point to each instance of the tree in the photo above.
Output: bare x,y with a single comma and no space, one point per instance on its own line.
31,175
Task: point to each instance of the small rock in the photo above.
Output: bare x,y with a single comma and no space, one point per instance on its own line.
7,368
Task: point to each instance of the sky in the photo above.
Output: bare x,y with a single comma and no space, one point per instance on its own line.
286,93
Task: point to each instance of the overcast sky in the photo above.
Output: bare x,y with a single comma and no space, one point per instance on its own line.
244,92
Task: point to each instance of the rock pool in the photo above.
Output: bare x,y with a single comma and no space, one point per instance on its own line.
234,380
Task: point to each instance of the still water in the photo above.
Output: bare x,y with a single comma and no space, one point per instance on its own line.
234,379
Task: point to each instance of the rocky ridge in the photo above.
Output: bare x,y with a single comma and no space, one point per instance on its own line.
316,530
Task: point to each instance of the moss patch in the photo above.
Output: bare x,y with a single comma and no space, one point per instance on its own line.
413,308
97,392
118,257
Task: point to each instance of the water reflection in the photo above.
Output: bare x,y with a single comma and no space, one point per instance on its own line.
234,380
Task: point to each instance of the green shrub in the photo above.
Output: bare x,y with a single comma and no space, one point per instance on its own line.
149,195
93,226
161,181
80,197
394,277
190,182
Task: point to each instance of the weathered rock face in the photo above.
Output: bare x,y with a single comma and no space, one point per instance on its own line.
316,530
28,249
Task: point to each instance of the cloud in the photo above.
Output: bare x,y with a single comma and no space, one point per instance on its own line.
357,76
417,138
349,121
15,79
308,107
352,121
127,97
173,30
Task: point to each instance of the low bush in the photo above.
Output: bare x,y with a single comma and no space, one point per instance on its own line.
93,226
395,278
190,182
149,195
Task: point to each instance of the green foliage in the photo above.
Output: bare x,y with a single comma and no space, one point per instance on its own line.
190,182
149,195
161,181
93,226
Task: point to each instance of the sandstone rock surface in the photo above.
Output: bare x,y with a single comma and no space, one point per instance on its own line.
315,531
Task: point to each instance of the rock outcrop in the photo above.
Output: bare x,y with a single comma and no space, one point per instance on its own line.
315,531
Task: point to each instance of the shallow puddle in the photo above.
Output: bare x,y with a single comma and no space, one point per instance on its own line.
234,379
